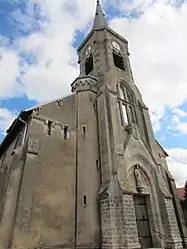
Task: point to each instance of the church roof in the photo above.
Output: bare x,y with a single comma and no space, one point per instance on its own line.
48,102
165,153
100,20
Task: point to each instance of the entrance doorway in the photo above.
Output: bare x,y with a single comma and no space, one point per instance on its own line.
142,221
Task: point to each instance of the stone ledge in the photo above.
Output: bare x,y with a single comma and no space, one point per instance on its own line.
70,246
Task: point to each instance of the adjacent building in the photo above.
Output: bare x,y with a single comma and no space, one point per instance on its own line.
181,192
85,171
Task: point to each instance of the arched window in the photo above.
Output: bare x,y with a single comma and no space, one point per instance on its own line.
126,105
118,60
89,64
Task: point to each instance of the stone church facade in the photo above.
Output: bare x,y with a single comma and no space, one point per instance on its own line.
85,171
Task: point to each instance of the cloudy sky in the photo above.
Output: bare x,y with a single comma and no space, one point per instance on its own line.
38,41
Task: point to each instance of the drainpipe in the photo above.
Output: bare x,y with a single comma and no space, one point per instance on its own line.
25,131
76,175
12,194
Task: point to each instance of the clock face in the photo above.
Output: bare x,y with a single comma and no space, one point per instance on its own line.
115,45
88,50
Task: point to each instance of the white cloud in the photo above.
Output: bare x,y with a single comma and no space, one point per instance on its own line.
158,54
6,118
175,120
129,5
9,71
22,21
55,66
177,125
177,163
156,117
51,45
179,112
162,138
181,127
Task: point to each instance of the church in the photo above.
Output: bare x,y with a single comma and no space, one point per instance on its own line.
85,171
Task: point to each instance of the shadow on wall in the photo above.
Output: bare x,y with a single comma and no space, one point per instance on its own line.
184,209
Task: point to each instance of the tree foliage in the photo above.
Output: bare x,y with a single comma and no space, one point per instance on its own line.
184,201
185,192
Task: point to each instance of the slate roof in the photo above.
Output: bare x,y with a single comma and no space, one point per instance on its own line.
100,20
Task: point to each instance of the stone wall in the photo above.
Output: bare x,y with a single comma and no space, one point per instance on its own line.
46,207
119,229
111,221
176,241
130,227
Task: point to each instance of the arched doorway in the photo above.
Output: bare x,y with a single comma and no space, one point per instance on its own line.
142,220
141,209
139,181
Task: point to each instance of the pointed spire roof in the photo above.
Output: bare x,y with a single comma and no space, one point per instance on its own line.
100,20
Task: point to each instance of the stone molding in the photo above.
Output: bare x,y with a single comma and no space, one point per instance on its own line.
70,246
84,83
44,120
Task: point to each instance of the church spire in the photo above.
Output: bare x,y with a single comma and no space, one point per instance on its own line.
100,20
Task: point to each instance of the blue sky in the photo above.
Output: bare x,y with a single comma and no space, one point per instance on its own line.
38,41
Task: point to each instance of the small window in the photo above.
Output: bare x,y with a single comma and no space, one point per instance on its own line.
89,64
97,165
85,200
49,127
95,106
84,129
118,60
66,132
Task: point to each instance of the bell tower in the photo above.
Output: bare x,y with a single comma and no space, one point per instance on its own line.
124,129
123,124
105,69
103,50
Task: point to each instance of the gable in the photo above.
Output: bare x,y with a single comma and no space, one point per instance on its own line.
135,147
160,149
60,110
